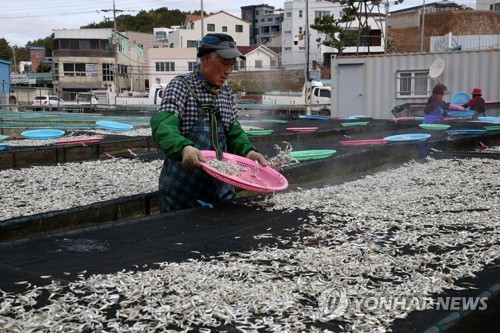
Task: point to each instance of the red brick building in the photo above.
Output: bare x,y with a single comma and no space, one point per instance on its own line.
37,57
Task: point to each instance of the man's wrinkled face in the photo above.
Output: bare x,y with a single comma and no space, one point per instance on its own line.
217,69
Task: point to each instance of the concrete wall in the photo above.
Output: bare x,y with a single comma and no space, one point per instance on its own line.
259,82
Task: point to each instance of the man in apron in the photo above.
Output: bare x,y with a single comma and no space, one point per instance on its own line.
198,112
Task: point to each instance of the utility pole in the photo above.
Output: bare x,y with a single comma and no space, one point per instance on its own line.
386,31
115,47
307,83
423,28
14,57
202,24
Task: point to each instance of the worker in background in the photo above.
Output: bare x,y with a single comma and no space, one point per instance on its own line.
198,112
435,108
476,103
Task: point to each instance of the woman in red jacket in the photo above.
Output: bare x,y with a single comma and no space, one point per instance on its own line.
476,103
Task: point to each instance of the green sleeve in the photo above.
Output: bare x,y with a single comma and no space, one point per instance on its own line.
238,142
167,136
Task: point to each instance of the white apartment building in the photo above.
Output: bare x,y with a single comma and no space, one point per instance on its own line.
294,39
190,32
166,63
265,23
163,64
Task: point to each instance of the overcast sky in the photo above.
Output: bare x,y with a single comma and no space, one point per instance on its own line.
28,20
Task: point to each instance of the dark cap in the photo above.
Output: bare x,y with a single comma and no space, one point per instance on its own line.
440,89
224,45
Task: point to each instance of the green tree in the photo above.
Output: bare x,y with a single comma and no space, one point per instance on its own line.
6,52
46,42
43,68
339,31
144,21
337,35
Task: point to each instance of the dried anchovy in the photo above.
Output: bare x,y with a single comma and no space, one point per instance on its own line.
283,158
226,167
404,234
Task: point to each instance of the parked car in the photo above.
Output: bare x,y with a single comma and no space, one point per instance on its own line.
47,102
246,101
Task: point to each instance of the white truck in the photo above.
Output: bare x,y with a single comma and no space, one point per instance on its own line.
315,97
84,102
152,98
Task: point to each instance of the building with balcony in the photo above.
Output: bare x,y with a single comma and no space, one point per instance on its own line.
190,32
86,59
294,33
265,23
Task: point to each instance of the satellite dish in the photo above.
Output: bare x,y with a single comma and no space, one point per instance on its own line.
436,69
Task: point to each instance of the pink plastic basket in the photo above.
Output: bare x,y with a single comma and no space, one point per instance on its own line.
254,177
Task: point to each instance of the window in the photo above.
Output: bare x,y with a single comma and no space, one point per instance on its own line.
160,35
84,44
242,64
300,13
74,69
322,93
55,71
413,83
321,13
224,29
69,44
91,69
191,65
192,43
238,28
122,71
258,63
288,14
165,66
107,72
210,27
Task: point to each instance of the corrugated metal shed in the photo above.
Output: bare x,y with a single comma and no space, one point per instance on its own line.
369,85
